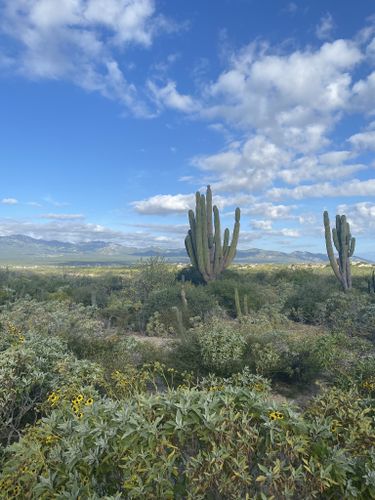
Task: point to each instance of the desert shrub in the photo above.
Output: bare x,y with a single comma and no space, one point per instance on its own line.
223,291
306,303
218,439
352,313
289,356
52,317
221,344
199,303
153,274
33,365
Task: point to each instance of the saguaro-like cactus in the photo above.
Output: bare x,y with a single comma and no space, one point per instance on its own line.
203,241
345,246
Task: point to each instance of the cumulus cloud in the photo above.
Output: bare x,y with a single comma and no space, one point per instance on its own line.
364,140
163,204
354,187
269,210
9,201
76,40
294,97
169,97
361,217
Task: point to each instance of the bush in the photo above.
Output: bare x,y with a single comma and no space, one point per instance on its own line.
306,303
289,356
33,365
223,291
218,439
52,317
221,343
199,303
351,313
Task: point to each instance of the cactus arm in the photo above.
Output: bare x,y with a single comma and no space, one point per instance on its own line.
190,250
206,251
352,247
210,232
233,246
336,239
237,303
218,249
199,232
344,251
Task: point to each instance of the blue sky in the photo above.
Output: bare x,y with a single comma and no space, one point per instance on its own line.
114,112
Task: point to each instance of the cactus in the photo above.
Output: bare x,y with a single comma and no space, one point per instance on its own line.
203,241
371,283
240,313
345,245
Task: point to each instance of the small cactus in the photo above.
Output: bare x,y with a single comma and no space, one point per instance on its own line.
371,283
240,313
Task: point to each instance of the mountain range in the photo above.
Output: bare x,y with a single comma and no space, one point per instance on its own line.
24,250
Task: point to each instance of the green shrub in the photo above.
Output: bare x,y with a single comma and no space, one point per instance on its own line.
223,291
289,356
351,313
199,303
221,343
52,317
306,303
32,365
219,439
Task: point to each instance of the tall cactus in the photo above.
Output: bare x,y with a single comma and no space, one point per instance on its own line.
203,241
345,246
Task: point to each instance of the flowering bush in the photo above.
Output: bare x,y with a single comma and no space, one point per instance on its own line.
219,438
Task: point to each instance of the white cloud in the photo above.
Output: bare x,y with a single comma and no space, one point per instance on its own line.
364,95
163,204
325,27
62,216
169,97
364,140
269,210
264,225
285,94
9,201
76,40
354,187
361,217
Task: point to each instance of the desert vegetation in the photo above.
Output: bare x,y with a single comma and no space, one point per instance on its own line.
146,382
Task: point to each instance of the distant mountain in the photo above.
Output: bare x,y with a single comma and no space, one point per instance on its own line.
20,249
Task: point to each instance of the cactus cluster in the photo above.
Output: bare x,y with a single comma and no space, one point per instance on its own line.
345,245
203,241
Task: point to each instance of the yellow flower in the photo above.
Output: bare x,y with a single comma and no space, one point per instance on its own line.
80,415
276,415
50,439
89,402
75,408
79,398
